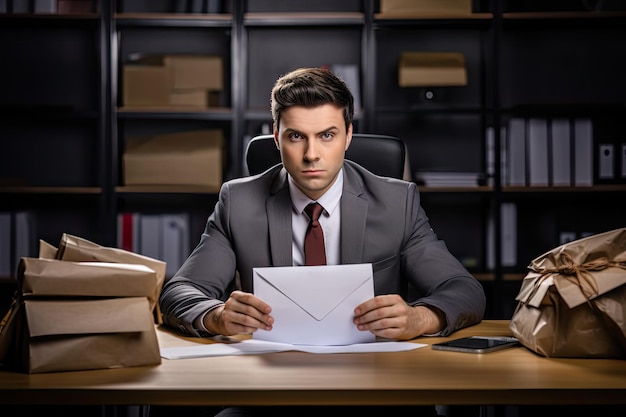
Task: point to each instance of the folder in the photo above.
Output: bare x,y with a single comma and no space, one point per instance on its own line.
516,152
150,236
561,151
538,152
606,158
508,216
583,152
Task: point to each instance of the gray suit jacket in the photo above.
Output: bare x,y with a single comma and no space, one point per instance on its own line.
382,222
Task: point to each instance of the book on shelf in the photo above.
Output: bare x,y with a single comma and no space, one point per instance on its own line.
160,236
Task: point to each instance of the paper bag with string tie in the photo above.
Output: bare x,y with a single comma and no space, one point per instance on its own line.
572,303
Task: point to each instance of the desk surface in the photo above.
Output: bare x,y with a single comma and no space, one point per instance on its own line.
421,376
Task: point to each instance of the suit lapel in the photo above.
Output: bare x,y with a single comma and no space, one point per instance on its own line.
278,208
353,218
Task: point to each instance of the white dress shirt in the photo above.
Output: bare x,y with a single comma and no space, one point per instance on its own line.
330,220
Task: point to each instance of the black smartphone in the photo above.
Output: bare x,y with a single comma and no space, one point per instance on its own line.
476,344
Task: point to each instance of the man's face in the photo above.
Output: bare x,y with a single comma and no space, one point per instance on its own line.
312,143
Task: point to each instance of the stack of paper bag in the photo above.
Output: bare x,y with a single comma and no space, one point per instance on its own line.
571,303
76,249
71,316
83,306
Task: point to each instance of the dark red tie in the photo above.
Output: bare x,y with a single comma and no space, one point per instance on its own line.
314,253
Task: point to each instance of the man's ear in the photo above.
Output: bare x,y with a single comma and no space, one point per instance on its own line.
276,139
349,137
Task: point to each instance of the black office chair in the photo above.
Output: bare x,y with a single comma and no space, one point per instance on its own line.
381,154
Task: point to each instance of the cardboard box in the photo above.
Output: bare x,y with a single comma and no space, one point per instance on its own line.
183,158
173,80
194,98
423,6
419,69
195,72
145,85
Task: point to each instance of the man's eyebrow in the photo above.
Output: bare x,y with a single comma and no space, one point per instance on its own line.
328,129
290,130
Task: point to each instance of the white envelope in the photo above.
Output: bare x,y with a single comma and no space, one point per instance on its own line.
314,305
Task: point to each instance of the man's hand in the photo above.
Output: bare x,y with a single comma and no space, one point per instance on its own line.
389,316
242,313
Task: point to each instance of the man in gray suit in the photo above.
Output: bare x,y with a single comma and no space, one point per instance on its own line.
259,221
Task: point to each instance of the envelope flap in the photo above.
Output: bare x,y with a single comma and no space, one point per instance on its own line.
116,315
328,276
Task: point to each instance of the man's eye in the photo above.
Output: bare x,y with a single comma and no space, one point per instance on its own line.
295,136
327,136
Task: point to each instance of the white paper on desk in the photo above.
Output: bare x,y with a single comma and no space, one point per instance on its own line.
314,305
254,347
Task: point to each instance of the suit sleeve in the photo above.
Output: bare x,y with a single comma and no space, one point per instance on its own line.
206,277
440,280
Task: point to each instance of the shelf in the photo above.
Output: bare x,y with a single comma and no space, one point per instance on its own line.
194,113
50,190
575,15
430,108
165,189
434,190
63,19
519,64
599,188
513,276
433,19
173,20
303,19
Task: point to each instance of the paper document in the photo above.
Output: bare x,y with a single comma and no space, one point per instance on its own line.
314,305
254,347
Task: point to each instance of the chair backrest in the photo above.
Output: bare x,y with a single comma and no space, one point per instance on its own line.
381,154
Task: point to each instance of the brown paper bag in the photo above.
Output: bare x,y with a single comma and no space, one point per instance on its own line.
77,249
571,303
78,316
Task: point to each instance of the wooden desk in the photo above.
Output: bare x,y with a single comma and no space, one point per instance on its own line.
422,376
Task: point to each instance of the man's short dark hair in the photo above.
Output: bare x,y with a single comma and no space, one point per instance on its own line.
311,87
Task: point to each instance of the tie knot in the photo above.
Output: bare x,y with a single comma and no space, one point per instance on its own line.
314,210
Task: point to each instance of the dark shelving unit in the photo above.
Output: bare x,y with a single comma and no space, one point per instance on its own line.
64,124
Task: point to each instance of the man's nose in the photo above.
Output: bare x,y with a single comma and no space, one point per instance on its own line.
311,153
